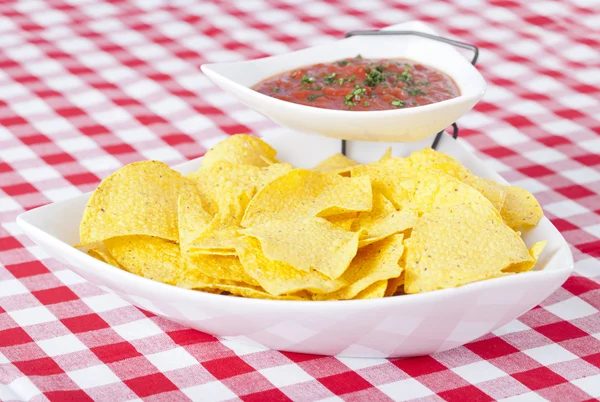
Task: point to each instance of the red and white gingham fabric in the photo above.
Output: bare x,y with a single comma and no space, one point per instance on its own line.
87,86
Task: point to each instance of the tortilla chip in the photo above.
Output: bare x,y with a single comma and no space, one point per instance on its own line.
222,267
459,244
240,149
382,221
150,257
520,210
373,263
308,243
535,252
430,159
279,278
374,291
138,199
302,194
222,235
387,154
338,163
435,189
392,177
491,190
343,221
102,254
193,220
393,285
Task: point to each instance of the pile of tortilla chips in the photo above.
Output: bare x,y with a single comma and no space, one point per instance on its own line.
248,225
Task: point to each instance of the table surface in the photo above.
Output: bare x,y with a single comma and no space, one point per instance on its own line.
88,86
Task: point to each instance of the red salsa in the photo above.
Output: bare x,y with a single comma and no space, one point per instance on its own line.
361,84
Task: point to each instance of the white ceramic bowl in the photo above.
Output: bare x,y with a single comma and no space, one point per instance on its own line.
400,125
390,327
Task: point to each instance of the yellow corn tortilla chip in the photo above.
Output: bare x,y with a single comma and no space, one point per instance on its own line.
197,281
221,235
520,210
193,220
393,285
147,256
100,253
338,163
387,154
382,221
223,267
491,190
373,263
307,243
435,189
302,193
217,180
535,252
374,291
279,278
239,289
343,221
391,177
430,159
138,199
459,244
240,149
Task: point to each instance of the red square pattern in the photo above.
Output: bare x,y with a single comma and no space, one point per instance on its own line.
42,366
560,331
491,348
115,352
227,367
541,377
14,336
469,393
55,295
417,366
26,269
273,395
345,383
150,385
72,395
190,336
84,323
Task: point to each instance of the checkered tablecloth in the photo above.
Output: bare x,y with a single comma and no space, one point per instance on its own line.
87,86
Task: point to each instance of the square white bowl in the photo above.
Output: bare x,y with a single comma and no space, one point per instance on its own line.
399,125
391,327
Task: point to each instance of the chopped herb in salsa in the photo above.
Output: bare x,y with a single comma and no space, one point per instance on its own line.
398,103
307,80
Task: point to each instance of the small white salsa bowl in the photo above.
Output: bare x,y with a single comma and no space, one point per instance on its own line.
399,125
408,325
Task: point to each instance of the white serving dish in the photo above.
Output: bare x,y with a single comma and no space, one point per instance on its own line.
392,327
400,125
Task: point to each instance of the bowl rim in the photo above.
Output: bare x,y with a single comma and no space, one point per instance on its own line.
477,93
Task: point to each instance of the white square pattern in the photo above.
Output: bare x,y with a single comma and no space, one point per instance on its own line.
94,376
550,354
32,316
61,345
172,359
572,309
139,329
478,372
289,374
405,390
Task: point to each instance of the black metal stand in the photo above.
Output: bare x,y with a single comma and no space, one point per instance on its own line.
453,42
